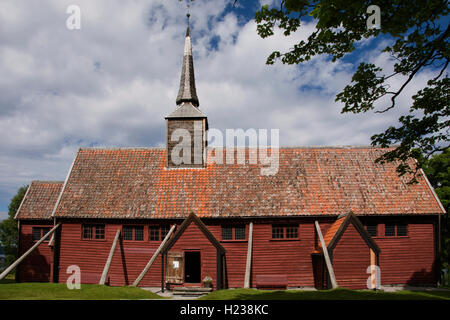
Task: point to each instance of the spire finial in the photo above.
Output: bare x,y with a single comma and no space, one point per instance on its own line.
188,15
187,91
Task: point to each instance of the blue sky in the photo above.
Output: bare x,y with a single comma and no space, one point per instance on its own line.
112,82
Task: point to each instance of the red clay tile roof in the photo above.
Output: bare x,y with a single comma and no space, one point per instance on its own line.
134,183
39,200
338,227
331,232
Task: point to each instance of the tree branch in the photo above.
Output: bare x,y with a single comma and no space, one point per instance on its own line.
442,70
418,67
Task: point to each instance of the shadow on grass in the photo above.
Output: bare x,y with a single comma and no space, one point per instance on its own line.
7,281
337,294
10,278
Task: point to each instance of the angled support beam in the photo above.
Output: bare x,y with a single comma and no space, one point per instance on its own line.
108,261
327,257
248,265
50,243
12,266
149,264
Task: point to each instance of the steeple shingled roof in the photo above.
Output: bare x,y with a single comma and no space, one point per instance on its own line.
187,110
187,91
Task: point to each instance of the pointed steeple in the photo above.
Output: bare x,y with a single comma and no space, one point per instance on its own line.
190,151
187,92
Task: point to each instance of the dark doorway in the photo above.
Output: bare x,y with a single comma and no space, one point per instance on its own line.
192,267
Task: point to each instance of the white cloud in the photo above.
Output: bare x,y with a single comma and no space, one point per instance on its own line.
112,82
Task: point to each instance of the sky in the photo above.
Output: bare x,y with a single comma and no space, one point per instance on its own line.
112,82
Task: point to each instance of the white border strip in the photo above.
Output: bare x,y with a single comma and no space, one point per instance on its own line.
64,185
23,200
432,191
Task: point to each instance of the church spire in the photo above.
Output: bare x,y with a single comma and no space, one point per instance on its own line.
187,92
190,152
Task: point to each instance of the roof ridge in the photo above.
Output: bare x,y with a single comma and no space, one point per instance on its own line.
336,147
122,148
48,181
247,147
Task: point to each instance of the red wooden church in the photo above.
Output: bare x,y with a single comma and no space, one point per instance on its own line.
136,216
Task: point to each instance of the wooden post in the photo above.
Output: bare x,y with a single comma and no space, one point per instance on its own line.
163,269
149,264
109,260
248,265
373,272
19,246
12,266
219,270
223,271
327,257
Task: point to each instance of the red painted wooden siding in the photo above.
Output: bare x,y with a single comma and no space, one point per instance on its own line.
130,257
351,257
401,259
194,240
37,266
285,257
410,259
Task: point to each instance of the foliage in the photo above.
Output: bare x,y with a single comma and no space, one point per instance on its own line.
335,294
8,227
207,279
418,43
437,170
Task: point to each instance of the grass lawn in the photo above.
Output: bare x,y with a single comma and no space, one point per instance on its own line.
336,294
9,290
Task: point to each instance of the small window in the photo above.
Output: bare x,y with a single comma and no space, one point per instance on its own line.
139,233
164,231
277,232
127,233
87,231
36,234
372,230
239,233
93,231
399,230
158,233
133,233
227,233
402,230
291,232
39,232
154,233
233,232
389,230
100,231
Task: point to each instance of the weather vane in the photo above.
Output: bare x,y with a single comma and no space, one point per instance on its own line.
188,7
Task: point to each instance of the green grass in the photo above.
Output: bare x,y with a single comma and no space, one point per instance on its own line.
56,291
336,294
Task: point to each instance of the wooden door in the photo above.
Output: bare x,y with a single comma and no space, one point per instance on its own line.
174,270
